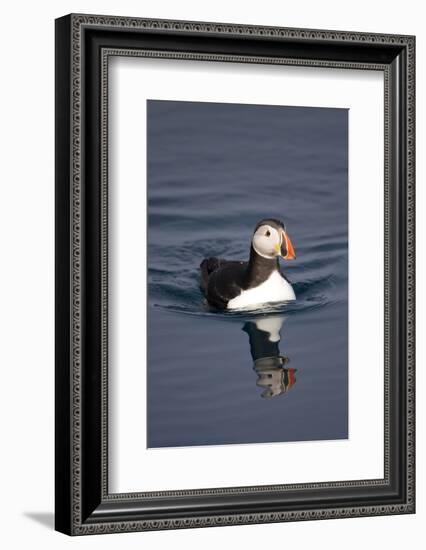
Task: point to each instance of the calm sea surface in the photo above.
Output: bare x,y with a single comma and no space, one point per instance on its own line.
214,170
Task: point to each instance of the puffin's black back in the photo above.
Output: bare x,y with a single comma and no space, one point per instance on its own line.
222,280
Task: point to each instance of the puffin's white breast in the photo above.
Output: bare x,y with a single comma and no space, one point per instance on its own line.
274,289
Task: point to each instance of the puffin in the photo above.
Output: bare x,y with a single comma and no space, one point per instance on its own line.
233,284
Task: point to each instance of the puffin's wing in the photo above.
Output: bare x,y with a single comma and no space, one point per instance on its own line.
207,267
224,282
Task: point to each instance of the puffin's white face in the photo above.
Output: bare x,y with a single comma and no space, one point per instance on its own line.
270,242
267,241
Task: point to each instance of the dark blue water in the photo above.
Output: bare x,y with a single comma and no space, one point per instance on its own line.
275,374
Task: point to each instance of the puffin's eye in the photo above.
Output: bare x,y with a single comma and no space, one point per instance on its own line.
268,233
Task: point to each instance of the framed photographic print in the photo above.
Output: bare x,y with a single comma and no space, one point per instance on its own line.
234,274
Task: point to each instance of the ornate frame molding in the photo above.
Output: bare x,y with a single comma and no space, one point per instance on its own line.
73,504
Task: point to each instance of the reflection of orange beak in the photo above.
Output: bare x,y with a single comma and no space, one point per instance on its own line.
291,374
287,250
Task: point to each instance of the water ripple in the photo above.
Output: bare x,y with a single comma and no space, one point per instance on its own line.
318,278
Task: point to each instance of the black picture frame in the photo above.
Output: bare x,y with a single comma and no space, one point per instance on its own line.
83,45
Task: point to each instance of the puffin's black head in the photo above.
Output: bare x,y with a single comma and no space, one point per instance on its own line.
270,240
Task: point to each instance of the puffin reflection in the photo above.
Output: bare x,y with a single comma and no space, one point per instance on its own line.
269,364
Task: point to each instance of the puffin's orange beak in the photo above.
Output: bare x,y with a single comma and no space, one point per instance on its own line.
287,250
